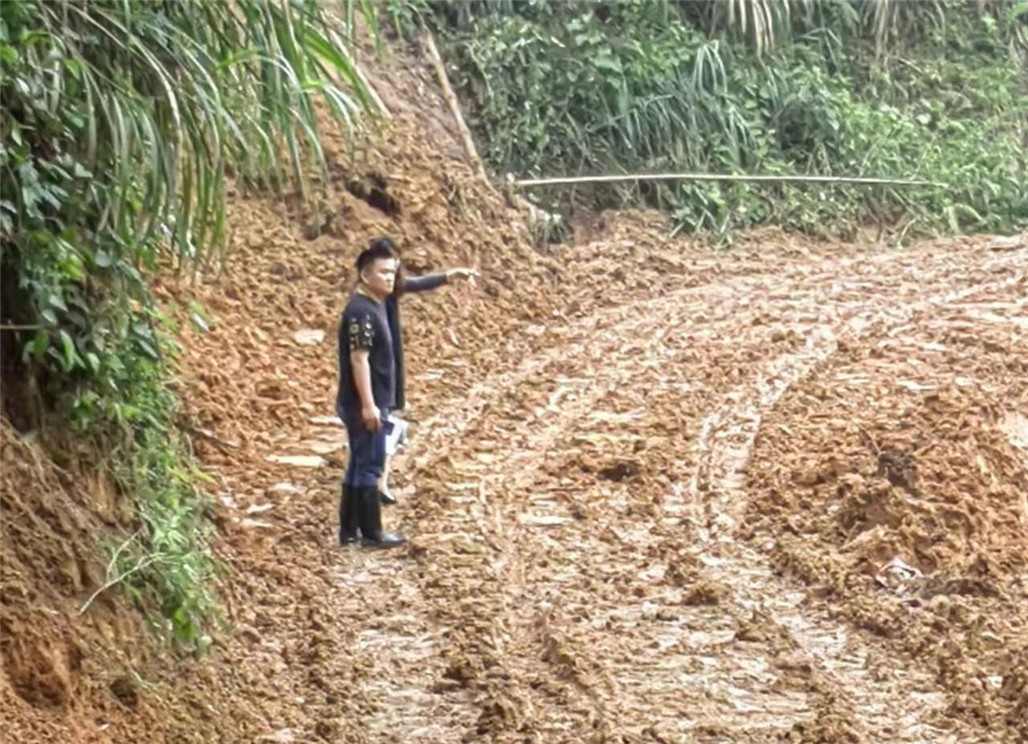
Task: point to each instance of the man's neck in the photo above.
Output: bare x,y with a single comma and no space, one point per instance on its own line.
363,289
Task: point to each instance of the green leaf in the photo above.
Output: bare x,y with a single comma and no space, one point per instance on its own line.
200,322
1016,11
608,63
148,349
38,346
184,628
57,300
951,219
68,349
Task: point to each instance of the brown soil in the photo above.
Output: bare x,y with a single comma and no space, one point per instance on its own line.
656,493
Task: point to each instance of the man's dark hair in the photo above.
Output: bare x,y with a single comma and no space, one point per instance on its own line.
379,248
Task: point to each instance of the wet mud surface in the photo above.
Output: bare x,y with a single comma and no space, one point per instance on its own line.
776,498
655,493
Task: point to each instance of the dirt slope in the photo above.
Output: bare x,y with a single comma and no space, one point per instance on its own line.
656,494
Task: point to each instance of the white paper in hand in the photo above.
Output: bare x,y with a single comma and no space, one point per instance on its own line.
396,433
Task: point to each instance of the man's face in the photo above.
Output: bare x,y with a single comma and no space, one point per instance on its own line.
380,276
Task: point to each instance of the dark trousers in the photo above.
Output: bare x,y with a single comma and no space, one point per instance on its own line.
367,453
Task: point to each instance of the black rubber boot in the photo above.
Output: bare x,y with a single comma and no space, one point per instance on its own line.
348,522
370,510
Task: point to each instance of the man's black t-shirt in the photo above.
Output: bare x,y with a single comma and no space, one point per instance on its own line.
364,325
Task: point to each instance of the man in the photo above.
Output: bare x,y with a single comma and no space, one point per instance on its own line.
367,391
404,284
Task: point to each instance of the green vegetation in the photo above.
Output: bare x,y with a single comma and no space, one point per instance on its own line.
122,121
935,90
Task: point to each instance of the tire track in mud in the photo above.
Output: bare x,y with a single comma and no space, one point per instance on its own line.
409,668
500,654
778,366
878,713
420,700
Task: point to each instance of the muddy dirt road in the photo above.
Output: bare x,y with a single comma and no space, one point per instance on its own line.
655,493
591,559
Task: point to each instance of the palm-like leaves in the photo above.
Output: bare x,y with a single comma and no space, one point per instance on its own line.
122,121
174,94
617,86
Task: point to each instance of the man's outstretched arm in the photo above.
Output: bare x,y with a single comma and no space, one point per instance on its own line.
433,281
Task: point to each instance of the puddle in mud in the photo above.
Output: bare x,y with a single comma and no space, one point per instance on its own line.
1015,425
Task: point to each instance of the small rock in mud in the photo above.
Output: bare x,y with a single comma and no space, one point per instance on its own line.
248,633
443,686
877,504
620,470
661,733
899,468
797,663
826,472
682,571
579,510
832,724
327,729
460,672
705,593
497,715
759,627
124,691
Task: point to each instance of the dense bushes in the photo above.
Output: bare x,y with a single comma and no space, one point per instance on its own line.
933,90
122,121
